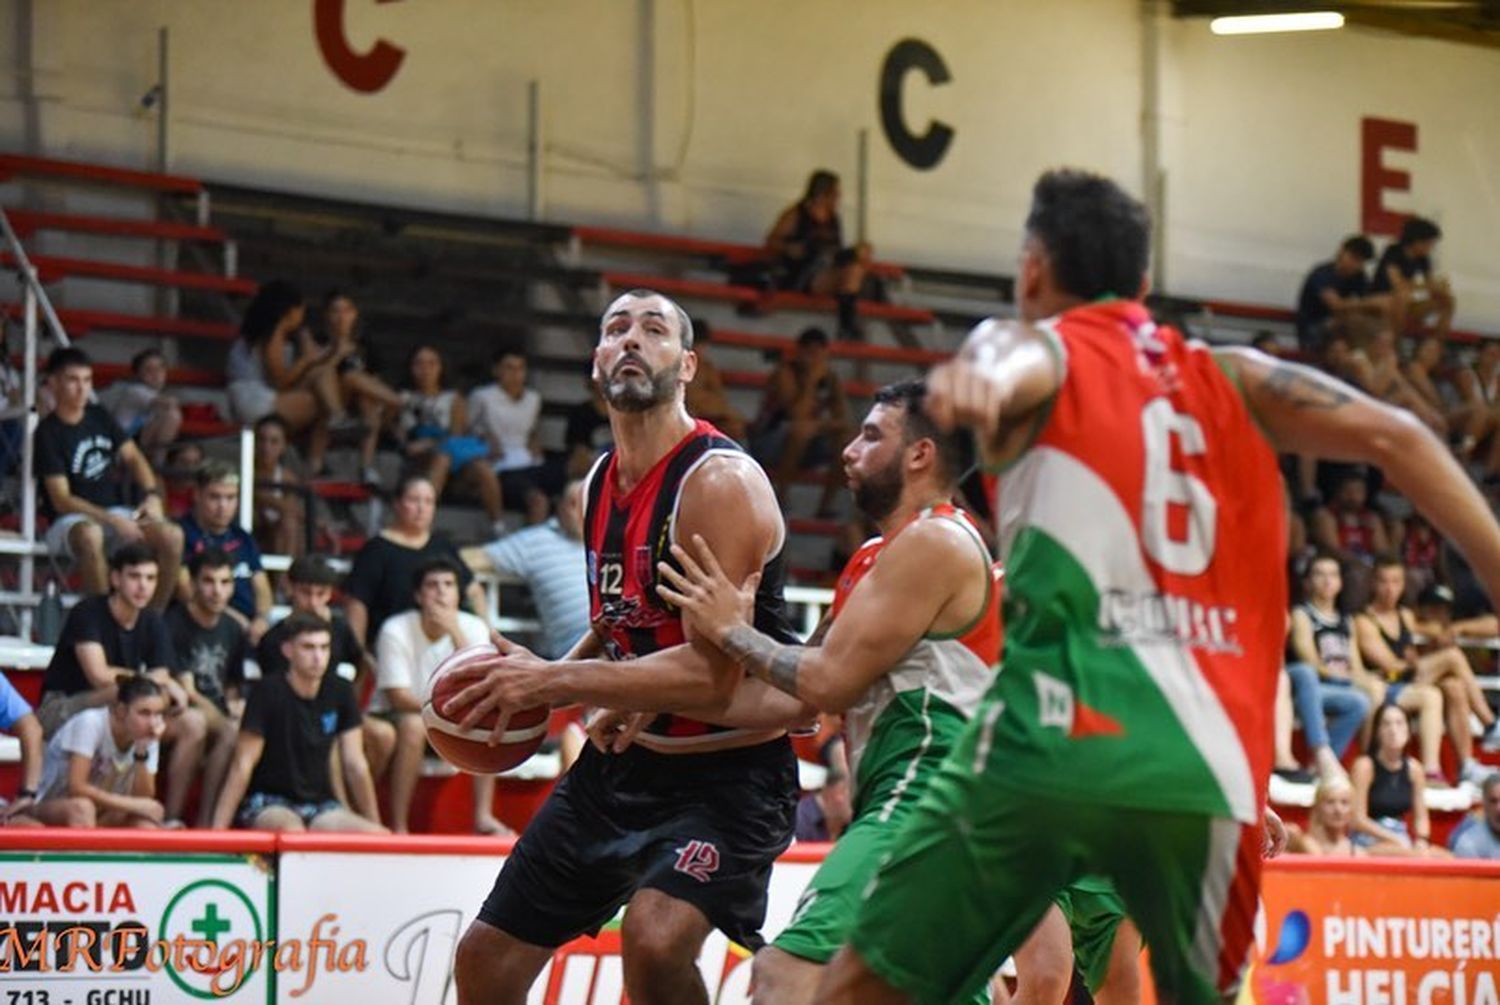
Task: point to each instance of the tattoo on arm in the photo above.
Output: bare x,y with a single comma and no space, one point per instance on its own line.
763,657
1303,388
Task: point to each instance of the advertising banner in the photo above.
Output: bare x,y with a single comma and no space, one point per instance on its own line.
93,928
409,911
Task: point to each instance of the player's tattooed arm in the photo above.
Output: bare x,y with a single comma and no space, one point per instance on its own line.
1303,387
761,656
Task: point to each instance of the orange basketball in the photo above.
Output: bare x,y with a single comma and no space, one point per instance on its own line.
470,750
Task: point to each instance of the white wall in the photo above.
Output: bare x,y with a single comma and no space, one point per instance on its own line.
741,100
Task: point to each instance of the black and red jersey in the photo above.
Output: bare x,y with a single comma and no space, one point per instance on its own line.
626,534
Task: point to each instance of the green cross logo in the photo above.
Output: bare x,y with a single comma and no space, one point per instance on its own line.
211,926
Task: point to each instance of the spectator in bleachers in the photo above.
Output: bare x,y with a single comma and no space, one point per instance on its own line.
1389,787
432,425
1418,299
507,414
17,719
1423,371
280,510
1349,529
410,647
1421,551
1479,388
804,419
1434,620
179,478
106,637
211,650
345,351
1387,382
588,433
1329,822
281,775
100,768
1327,675
1420,684
379,585
1480,838
549,559
1268,343
707,397
274,367
214,523
807,247
78,447
140,405
1284,761
1335,292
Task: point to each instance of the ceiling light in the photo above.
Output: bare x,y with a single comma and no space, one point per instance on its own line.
1256,24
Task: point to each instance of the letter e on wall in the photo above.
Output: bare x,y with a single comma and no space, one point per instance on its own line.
1375,179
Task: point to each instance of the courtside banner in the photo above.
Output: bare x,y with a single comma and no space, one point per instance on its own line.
100,928
1379,932
409,909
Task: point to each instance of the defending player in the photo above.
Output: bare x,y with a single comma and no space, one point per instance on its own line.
1144,533
683,826
908,650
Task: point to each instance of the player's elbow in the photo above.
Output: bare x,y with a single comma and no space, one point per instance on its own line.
1401,438
826,692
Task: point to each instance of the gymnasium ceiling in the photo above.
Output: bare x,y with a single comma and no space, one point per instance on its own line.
1472,22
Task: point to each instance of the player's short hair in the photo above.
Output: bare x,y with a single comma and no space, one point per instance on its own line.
1097,237
954,450
312,570
209,558
1360,246
684,320
67,356
213,472
1419,228
303,623
135,553
439,564
131,688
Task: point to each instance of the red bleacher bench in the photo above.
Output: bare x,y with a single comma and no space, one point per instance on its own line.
12,165
749,296
755,378
731,252
843,348
54,267
177,376
27,222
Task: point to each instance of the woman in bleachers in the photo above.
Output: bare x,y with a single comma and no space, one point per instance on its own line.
1390,793
807,246
267,372
1329,822
432,422
280,509
375,401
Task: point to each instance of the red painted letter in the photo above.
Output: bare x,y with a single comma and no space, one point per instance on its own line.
366,73
1375,179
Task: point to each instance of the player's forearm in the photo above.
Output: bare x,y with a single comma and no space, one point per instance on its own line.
672,680
586,648
758,705
799,671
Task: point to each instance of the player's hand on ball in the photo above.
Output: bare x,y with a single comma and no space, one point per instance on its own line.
514,678
713,605
612,732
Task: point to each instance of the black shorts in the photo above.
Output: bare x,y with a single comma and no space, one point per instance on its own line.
703,828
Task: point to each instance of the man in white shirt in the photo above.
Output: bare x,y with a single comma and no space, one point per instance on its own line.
105,758
506,414
408,649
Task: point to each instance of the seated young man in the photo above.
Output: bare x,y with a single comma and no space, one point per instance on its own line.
210,647
214,523
280,777
410,647
78,448
106,637
100,768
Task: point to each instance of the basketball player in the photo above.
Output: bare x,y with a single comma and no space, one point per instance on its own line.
909,648
683,826
1142,524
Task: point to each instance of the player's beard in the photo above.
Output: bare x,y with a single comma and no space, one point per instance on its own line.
642,391
877,493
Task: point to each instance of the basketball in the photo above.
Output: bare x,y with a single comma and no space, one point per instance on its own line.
470,750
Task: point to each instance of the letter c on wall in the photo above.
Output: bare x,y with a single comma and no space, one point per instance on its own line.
925,151
365,73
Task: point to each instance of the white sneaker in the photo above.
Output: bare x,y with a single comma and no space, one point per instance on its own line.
1490,744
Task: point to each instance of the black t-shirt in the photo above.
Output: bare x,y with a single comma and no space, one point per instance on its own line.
1311,310
214,656
343,648
587,428
143,647
382,574
85,452
299,733
1410,266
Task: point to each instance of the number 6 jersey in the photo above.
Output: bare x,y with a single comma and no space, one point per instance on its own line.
1144,538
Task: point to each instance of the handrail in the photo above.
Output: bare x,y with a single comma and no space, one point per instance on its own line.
28,276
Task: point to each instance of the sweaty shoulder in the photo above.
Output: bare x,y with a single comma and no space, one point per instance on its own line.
730,490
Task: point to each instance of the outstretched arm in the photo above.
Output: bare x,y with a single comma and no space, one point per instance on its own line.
1309,412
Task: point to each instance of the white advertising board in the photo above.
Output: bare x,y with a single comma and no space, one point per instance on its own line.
409,911
138,929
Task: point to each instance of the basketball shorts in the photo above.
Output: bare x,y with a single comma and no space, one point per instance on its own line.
703,828
1094,911
980,861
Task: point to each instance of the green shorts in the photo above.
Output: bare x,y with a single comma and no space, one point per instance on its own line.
979,862
1093,911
